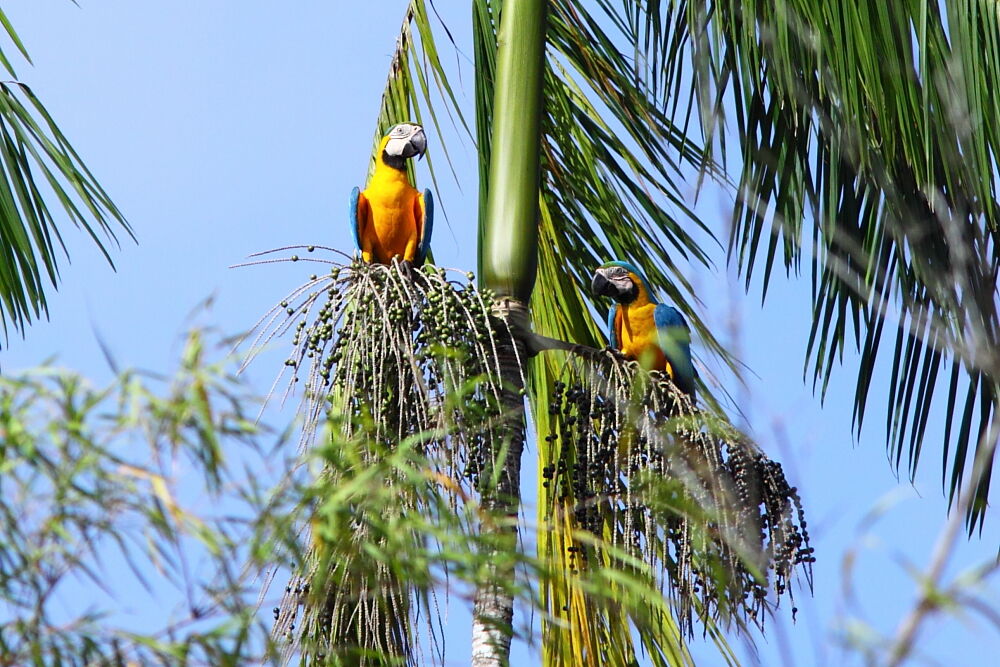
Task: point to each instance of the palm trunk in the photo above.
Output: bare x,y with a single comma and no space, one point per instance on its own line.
493,610
508,259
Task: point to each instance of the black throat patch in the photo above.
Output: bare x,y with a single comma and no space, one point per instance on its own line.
394,161
629,295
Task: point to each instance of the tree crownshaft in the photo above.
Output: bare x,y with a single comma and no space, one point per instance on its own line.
508,255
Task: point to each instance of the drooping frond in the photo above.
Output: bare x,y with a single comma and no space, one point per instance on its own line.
38,166
417,79
870,146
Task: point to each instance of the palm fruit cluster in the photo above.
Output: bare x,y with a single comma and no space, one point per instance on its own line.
383,354
649,473
395,353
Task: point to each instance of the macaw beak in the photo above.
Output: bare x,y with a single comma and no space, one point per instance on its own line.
601,286
621,288
417,145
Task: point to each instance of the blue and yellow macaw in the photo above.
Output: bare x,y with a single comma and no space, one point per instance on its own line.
391,218
653,333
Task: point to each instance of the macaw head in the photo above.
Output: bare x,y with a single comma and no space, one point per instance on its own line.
620,280
404,141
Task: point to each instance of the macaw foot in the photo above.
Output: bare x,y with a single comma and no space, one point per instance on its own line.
599,355
615,354
404,266
591,353
412,272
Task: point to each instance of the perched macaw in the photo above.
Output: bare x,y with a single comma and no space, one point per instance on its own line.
391,218
642,329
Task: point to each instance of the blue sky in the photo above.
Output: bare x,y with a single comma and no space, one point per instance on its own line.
223,128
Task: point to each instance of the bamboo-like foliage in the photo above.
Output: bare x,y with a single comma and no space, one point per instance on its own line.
90,489
38,166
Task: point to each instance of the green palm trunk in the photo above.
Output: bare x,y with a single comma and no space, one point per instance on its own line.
508,261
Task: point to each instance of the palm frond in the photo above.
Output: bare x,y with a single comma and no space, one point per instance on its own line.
38,166
870,124
12,34
416,86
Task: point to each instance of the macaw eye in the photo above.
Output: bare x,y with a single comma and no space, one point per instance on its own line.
398,131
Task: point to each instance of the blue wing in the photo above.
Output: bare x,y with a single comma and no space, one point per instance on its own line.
355,196
675,341
425,236
612,337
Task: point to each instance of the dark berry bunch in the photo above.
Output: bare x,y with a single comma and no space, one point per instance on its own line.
644,470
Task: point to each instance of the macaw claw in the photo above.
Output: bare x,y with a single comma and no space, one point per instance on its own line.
615,353
405,267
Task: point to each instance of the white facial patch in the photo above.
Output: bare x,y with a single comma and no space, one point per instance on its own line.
403,141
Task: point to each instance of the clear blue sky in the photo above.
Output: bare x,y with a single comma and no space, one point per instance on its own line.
222,128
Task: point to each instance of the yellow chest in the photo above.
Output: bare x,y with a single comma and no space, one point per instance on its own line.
392,205
635,329
392,222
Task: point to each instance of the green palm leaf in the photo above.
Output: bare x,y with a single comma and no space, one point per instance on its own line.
871,126
38,165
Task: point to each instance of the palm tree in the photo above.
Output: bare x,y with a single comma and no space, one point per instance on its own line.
507,228
888,157
866,125
38,165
